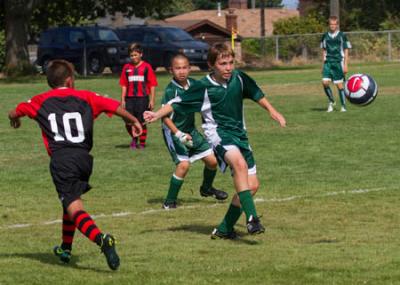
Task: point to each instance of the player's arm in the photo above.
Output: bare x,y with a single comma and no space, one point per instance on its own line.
152,97
15,120
275,115
130,119
345,60
150,116
123,94
184,138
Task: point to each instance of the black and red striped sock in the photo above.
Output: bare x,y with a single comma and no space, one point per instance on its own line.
87,226
143,136
68,231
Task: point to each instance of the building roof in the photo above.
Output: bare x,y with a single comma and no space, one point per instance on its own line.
248,20
190,25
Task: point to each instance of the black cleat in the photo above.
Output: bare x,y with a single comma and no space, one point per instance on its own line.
169,205
108,248
63,254
218,194
254,226
216,234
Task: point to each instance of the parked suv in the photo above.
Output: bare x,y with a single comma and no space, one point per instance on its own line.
160,43
103,48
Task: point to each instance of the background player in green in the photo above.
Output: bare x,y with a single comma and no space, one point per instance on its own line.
184,142
336,58
219,97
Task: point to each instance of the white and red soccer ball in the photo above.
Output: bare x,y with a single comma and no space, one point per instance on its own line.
361,89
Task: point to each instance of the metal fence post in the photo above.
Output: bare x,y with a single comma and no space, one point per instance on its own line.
389,46
277,48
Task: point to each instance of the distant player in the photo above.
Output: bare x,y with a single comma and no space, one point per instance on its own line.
219,97
66,117
138,82
335,58
184,142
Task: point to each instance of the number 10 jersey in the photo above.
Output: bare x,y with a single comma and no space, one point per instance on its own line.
66,116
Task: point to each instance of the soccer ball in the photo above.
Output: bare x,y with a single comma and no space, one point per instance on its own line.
361,89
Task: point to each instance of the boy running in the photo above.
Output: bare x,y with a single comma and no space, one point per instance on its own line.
66,117
138,82
219,97
335,58
184,142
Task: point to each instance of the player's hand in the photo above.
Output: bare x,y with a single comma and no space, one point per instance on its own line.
149,116
279,118
136,129
15,122
184,138
151,105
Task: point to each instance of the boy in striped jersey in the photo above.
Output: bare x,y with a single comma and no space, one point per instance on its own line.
335,53
185,144
138,82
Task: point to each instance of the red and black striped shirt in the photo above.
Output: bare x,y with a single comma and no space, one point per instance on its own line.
138,79
66,116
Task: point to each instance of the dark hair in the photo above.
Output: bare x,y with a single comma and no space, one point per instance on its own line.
219,50
58,71
135,47
179,55
333,18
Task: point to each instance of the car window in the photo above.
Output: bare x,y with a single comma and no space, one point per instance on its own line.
104,35
152,38
132,35
173,34
75,36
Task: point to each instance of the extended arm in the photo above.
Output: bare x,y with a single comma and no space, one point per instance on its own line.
151,117
275,115
136,126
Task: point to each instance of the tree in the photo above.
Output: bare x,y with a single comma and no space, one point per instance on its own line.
20,14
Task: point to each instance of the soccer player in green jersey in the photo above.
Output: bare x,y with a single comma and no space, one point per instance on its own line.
336,58
219,97
185,144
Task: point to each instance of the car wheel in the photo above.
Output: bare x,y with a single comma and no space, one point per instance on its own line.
95,64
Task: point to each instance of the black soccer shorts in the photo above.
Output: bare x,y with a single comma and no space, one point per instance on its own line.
70,169
136,106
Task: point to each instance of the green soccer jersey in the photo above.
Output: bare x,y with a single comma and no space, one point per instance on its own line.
335,44
221,107
184,122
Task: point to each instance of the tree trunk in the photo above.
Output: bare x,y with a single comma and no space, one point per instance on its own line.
17,15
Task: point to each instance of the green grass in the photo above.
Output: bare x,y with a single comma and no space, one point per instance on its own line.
319,230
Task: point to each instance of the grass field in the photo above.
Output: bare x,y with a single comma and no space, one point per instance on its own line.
329,196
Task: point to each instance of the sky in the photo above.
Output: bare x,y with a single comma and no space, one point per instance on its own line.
292,4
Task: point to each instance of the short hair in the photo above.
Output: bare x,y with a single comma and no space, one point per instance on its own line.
333,18
58,71
219,50
179,55
135,47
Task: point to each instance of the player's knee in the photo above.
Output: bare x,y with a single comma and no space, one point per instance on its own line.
254,187
325,83
211,162
240,166
183,166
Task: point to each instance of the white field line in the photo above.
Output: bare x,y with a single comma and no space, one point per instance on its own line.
256,200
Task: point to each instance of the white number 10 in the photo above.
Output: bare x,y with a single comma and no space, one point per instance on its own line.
67,117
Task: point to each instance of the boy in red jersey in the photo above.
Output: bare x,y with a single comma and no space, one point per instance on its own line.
66,117
138,83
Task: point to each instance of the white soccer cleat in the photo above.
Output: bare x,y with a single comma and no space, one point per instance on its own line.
343,109
330,107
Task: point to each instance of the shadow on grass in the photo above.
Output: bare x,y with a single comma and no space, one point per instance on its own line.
51,259
183,201
122,146
318,109
203,230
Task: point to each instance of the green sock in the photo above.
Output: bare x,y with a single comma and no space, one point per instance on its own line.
246,200
342,97
174,187
328,92
231,217
208,177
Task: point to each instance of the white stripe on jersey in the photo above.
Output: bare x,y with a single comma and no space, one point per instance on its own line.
136,78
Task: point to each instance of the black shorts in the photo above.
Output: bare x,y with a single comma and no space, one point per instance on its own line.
70,169
136,106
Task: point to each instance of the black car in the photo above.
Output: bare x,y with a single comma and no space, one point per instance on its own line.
160,43
100,46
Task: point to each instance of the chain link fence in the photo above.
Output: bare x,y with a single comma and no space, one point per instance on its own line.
305,48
